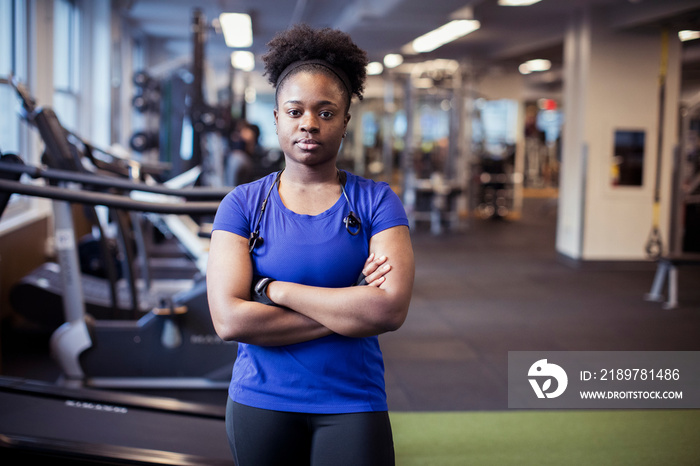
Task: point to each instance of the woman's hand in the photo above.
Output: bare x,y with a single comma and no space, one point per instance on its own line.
360,311
374,270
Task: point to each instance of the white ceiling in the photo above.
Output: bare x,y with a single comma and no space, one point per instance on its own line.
508,34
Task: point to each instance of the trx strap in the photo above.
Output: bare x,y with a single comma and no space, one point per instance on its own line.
654,245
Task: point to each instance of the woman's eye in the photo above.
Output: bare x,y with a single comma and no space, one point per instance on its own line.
326,114
293,112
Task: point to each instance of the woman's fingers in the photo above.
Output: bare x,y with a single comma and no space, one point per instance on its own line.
378,277
372,264
375,269
368,261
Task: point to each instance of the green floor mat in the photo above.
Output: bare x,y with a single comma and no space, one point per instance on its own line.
542,438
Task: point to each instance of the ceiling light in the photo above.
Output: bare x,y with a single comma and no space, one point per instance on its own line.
517,2
238,30
392,60
243,60
539,64
444,34
375,68
688,35
534,65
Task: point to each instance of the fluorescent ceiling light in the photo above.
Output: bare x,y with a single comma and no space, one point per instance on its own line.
243,60
238,30
534,65
374,68
517,2
392,60
444,34
688,35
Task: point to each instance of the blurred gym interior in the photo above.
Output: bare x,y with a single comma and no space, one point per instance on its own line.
548,161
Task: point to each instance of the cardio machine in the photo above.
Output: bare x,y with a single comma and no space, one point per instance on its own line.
125,283
77,426
174,344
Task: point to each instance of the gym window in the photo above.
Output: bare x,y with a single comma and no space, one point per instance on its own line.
13,62
12,54
66,66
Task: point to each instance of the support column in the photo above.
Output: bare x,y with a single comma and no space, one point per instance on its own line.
611,84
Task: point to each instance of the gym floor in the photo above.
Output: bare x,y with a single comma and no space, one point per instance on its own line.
495,287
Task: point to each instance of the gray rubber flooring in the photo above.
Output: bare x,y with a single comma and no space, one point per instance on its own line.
499,286
495,287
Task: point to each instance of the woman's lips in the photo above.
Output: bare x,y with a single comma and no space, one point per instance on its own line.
307,144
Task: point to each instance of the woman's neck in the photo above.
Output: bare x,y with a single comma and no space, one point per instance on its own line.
309,191
304,176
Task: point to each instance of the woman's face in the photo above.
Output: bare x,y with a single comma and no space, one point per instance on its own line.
311,118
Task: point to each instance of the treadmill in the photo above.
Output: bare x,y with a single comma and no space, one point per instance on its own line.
57,425
174,345
73,161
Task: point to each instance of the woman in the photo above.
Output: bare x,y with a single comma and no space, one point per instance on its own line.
286,252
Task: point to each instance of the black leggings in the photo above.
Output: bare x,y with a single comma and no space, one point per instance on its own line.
260,437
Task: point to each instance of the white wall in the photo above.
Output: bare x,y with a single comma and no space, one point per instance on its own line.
618,88
624,94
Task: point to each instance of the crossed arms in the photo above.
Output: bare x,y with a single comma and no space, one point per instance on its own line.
303,312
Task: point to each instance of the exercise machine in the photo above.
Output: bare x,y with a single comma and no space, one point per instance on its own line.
181,126
495,184
174,344
131,286
684,245
39,293
59,425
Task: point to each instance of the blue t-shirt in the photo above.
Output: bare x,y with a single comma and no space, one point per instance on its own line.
333,374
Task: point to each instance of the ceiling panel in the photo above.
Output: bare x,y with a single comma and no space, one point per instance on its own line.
508,34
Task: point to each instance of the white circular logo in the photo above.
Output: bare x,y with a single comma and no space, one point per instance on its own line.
544,371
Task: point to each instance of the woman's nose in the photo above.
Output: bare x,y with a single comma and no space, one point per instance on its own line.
309,123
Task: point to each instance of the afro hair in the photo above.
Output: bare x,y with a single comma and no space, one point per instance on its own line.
301,42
